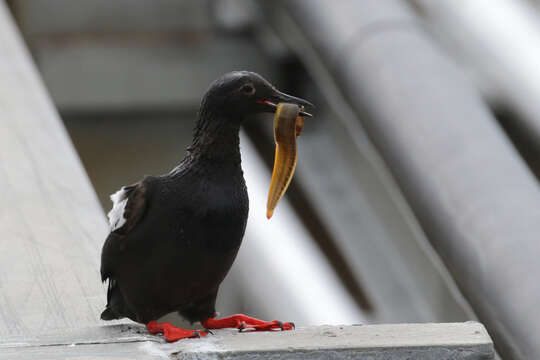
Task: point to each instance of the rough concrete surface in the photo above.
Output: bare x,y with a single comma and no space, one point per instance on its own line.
451,341
404,341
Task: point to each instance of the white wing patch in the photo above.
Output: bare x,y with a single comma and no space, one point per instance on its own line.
116,215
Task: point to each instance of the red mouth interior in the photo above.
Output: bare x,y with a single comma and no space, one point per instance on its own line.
266,102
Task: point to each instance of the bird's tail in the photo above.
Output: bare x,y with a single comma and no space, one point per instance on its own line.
109,314
116,308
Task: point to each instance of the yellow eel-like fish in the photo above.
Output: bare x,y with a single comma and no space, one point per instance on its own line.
287,127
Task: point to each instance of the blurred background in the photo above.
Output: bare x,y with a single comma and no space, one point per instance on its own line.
415,193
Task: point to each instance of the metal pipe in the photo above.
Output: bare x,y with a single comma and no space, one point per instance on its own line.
468,187
497,41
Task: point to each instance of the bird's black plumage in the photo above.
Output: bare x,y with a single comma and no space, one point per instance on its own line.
179,233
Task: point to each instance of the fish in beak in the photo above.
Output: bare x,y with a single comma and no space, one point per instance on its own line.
288,123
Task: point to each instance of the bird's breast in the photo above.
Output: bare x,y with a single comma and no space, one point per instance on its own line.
224,215
209,206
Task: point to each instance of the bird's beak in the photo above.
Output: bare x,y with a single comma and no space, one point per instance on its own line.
278,97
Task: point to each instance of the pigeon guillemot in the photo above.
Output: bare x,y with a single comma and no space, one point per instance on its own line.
174,237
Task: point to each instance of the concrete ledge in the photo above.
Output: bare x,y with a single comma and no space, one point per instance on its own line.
453,341
405,341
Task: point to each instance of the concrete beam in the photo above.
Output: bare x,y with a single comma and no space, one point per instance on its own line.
450,341
51,223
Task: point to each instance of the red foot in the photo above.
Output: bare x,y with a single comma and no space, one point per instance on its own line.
173,333
242,322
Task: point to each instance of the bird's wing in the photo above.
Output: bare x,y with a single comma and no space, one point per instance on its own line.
129,207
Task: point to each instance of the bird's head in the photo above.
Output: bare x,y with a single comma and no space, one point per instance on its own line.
241,94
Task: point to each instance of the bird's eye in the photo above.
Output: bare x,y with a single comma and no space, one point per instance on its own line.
248,89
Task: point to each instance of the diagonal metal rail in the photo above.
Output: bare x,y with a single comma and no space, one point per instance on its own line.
469,188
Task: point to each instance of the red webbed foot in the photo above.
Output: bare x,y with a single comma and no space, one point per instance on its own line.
243,322
173,333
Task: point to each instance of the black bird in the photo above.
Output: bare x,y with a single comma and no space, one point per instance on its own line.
174,237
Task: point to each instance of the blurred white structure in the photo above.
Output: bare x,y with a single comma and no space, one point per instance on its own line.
282,269
498,41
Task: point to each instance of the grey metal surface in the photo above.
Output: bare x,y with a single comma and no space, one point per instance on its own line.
470,190
51,222
452,341
505,64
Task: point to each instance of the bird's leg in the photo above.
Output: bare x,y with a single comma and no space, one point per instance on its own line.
173,333
242,322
